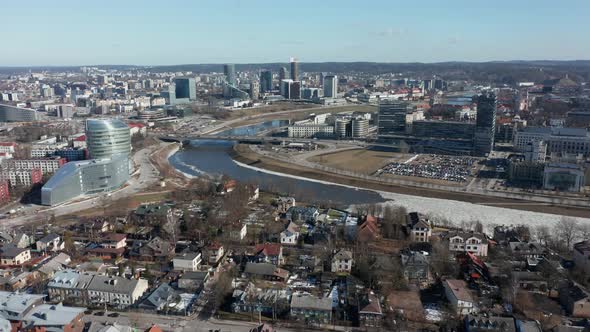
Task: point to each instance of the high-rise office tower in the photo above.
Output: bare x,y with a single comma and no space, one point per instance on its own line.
229,70
392,118
294,69
186,88
283,74
107,137
330,86
295,90
254,90
265,81
322,76
285,87
485,124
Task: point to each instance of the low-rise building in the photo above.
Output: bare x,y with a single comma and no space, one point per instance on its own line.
115,291
54,317
581,255
342,261
15,255
269,253
471,242
187,261
310,309
50,242
459,296
419,227
291,234
216,252
370,312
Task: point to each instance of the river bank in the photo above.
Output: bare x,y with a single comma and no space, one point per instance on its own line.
245,155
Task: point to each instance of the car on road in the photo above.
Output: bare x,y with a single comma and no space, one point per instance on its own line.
87,312
114,314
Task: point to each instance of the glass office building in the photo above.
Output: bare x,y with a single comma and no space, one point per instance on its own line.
86,177
107,137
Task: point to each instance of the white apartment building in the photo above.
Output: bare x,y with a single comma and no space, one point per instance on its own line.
311,130
474,243
116,291
187,261
46,165
559,140
20,177
7,147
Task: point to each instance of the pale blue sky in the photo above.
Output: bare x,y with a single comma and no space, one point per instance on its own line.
65,32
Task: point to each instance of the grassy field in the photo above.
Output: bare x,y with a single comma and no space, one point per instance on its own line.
361,160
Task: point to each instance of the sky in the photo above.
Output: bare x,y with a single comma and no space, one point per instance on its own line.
146,32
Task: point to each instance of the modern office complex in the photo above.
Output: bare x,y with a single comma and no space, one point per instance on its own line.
254,90
291,89
311,130
185,90
107,137
331,86
265,81
392,118
229,70
283,74
485,126
561,141
360,128
443,129
294,69
10,113
86,177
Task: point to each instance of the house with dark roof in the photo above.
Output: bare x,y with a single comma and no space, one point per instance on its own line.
526,250
302,214
489,323
574,300
157,249
15,255
50,242
311,310
265,271
418,227
581,256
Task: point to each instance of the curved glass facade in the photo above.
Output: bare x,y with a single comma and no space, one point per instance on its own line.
107,137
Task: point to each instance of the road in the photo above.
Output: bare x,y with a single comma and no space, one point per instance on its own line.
144,176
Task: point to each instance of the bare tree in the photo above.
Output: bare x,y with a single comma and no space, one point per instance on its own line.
543,234
567,231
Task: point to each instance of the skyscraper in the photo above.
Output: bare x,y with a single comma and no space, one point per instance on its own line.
294,69
283,74
229,70
265,81
106,137
186,88
331,86
485,124
285,87
392,118
254,90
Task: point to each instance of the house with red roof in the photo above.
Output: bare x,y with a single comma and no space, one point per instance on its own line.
269,253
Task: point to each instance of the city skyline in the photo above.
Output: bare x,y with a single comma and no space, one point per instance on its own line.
143,33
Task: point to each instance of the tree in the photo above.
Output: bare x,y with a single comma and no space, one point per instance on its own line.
543,234
567,231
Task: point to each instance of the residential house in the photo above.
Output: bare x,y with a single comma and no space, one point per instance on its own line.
115,291
54,317
50,242
216,252
58,263
266,271
526,250
15,255
164,298
22,240
368,230
489,323
291,234
419,227
575,300
406,304
160,211
5,238
310,309
193,280
266,300
16,306
342,261
269,253
416,267
370,312
530,281
302,214
157,249
459,296
187,261
581,255
113,246
284,203
69,286
471,242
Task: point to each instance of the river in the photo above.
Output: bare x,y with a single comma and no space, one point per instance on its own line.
212,158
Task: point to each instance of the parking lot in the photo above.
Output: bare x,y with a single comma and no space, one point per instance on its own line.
439,167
